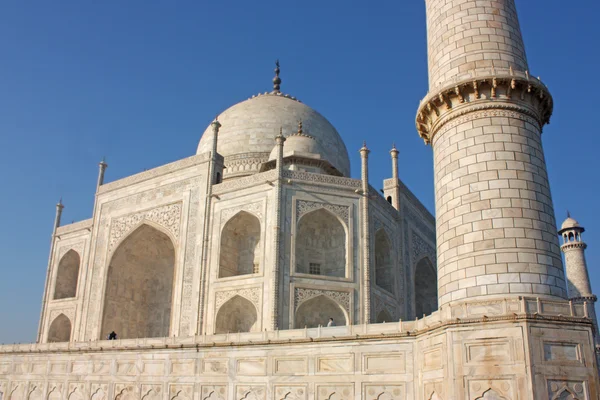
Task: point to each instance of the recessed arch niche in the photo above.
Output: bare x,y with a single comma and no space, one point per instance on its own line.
67,275
317,311
60,329
240,252
384,268
321,244
383,316
237,314
425,288
139,285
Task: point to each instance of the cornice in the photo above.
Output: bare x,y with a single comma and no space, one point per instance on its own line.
520,94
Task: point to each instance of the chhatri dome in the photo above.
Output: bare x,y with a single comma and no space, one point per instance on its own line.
248,129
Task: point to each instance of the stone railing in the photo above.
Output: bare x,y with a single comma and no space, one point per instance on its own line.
466,313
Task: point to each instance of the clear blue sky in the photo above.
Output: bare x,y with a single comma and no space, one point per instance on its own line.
139,81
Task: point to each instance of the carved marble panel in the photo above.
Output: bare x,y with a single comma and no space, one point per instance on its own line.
335,364
213,392
251,366
181,392
250,392
77,391
290,392
567,390
434,390
492,389
152,392
99,391
126,391
383,392
55,391
214,366
334,392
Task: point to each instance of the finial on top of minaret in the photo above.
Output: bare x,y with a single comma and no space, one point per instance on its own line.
364,149
216,124
277,79
394,151
280,138
60,203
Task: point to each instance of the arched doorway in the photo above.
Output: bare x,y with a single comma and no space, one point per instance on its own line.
384,269
425,288
139,286
317,311
236,315
240,246
60,329
383,316
321,245
67,275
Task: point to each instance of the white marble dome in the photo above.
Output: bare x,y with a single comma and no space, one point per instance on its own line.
248,131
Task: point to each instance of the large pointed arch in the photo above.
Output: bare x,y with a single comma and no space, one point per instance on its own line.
317,311
139,285
67,275
426,297
60,329
237,314
384,267
240,252
321,244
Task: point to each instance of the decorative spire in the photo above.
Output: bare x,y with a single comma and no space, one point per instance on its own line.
300,131
280,134
568,214
394,150
277,79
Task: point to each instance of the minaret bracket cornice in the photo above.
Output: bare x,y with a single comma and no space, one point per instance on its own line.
508,92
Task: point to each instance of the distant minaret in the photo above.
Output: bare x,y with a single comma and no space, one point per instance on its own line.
578,280
483,117
391,187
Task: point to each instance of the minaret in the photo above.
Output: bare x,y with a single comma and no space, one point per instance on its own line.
366,234
483,116
578,279
57,218
391,187
279,140
210,181
101,170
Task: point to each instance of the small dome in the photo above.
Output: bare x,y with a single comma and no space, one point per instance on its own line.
570,223
300,145
248,131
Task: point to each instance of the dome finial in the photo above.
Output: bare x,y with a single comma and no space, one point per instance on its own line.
568,214
300,127
276,80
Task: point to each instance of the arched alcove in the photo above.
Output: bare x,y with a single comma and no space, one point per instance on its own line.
60,329
425,288
236,315
317,311
67,275
384,269
491,394
240,246
139,286
384,316
321,245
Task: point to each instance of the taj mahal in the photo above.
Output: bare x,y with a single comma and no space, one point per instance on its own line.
220,272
